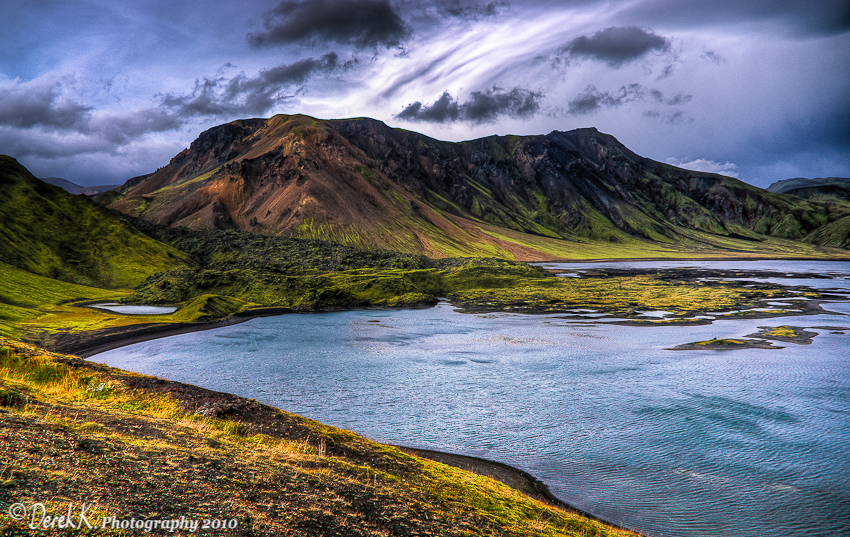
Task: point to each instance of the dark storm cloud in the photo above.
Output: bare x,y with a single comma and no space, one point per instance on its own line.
42,108
362,23
41,103
48,145
444,110
482,107
671,117
248,95
98,132
592,100
679,98
123,127
713,57
469,10
486,106
666,72
824,17
616,45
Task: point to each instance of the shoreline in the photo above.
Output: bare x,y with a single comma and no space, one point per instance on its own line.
509,475
256,416
714,258
113,338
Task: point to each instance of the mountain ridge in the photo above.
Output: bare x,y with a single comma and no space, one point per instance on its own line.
74,188
363,183
821,188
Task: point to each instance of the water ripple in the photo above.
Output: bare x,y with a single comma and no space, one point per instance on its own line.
687,443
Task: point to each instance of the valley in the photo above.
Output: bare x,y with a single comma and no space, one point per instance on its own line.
320,220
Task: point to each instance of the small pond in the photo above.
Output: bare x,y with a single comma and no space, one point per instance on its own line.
129,309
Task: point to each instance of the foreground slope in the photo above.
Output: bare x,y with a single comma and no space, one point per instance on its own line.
362,183
47,231
139,447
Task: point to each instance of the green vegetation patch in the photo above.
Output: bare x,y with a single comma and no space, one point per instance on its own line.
623,296
789,334
25,297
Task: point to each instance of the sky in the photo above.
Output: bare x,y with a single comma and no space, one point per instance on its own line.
98,91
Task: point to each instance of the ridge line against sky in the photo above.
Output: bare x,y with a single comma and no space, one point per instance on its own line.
97,91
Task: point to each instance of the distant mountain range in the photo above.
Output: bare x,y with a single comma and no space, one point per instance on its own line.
74,188
362,183
823,188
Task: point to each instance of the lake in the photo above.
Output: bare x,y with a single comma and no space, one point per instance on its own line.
131,309
691,443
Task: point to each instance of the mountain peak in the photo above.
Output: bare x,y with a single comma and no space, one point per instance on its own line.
360,182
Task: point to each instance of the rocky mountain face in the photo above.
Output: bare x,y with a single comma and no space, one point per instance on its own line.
363,183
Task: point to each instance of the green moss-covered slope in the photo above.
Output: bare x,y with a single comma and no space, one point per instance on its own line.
47,231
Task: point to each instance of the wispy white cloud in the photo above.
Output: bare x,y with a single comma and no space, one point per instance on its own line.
705,165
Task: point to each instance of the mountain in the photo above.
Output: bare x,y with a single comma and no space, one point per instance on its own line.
829,191
362,183
49,232
822,188
74,188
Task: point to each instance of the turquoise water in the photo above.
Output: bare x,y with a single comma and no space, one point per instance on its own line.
690,443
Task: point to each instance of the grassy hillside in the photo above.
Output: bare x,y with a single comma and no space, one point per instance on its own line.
822,188
49,232
138,447
51,312
25,297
